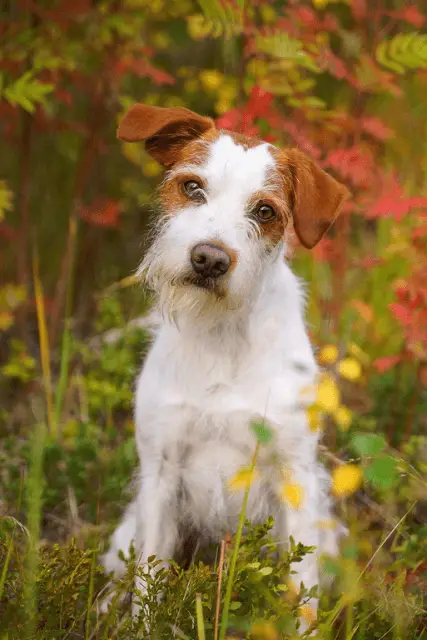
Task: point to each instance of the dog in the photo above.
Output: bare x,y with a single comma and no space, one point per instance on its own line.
232,347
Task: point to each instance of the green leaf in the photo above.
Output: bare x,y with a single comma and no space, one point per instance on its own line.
368,444
350,552
331,567
281,45
235,605
27,92
263,433
404,51
266,571
382,472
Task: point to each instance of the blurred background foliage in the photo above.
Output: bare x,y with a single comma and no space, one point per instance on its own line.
343,80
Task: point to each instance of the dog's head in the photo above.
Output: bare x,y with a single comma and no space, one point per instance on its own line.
226,202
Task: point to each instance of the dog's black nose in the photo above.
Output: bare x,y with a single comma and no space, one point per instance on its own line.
210,260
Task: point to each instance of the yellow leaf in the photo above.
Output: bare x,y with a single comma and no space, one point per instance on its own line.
350,369
328,354
358,353
222,106
328,395
320,4
314,417
364,310
264,631
343,417
6,320
198,27
242,479
151,169
268,14
293,495
346,479
308,613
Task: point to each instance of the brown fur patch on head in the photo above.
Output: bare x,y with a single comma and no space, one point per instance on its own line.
272,231
314,197
194,154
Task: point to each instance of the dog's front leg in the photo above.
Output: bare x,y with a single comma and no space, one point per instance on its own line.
156,519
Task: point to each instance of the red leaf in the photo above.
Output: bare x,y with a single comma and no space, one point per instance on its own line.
7,232
400,312
324,251
410,14
353,164
358,9
385,363
103,213
369,262
258,106
302,141
142,69
229,120
395,207
377,128
334,65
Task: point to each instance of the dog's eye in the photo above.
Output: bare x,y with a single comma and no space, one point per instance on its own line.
193,190
265,213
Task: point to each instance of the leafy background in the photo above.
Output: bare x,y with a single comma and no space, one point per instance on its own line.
345,81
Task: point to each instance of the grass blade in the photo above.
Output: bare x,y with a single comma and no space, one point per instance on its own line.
227,599
34,508
66,336
199,617
44,345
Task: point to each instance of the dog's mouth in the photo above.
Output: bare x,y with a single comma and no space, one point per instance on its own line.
211,285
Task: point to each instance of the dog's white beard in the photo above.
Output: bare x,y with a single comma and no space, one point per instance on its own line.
176,298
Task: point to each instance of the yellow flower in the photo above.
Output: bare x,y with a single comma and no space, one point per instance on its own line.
328,395
264,631
343,417
328,354
293,495
211,79
350,369
314,417
308,613
242,479
346,479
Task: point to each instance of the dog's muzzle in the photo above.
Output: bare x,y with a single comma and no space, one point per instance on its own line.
209,260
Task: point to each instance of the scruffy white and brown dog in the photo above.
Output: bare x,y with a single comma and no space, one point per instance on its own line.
232,346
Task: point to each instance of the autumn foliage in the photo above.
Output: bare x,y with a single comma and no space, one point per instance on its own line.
343,80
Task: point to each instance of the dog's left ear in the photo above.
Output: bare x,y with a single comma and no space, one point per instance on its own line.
165,131
316,198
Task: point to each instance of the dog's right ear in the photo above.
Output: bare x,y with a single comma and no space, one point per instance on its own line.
165,131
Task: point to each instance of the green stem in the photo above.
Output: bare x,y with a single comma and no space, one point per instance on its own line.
200,621
230,581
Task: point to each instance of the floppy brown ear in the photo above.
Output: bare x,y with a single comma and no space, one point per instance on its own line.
316,198
165,131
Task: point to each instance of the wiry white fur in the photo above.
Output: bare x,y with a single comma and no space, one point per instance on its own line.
214,368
